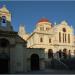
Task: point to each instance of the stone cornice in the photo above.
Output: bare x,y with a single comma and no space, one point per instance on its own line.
8,33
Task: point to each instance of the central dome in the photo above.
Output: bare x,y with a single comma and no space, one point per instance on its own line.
43,20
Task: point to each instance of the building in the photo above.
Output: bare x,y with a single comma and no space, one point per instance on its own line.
15,57
55,38
21,52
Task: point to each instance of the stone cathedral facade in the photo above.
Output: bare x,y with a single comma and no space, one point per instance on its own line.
53,38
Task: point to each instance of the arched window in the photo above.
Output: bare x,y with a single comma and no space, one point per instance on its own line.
69,53
47,29
41,39
50,53
59,36
3,23
64,29
42,28
3,19
68,38
65,38
64,35
60,53
49,40
64,53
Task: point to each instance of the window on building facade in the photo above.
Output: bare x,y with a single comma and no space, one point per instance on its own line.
65,38
59,36
64,29
47,29
41,39
60,53
42,28
68,38
64,35
3,19
50,53
64,53
69,53
49,40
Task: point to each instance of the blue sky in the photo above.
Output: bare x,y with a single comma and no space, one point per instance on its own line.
29,12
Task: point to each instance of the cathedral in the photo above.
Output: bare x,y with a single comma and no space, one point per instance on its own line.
21,52
54,38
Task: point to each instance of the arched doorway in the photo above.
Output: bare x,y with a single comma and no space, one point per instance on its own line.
60,53
64,53
4,56
34,62
4,65
69,53
50,53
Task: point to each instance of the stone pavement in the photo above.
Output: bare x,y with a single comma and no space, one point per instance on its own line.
51,71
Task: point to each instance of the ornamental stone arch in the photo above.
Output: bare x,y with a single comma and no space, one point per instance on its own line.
11,40
50,53
34,62
64,53
4,42
36,55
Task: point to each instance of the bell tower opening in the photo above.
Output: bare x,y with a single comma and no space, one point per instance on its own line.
3,20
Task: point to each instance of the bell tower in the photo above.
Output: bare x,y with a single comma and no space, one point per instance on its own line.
5,19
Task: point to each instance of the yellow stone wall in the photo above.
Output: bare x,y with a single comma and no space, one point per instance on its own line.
34,39
4,11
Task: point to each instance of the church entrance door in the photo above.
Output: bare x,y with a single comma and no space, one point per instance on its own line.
3,66
34,62
4,58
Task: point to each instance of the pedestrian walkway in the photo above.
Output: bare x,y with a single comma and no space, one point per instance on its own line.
51,71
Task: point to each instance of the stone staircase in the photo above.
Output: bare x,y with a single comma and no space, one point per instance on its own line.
56,64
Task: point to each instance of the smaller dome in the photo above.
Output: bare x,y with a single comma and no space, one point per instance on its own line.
43,20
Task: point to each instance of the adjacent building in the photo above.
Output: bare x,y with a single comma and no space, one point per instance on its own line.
15,57
54,38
